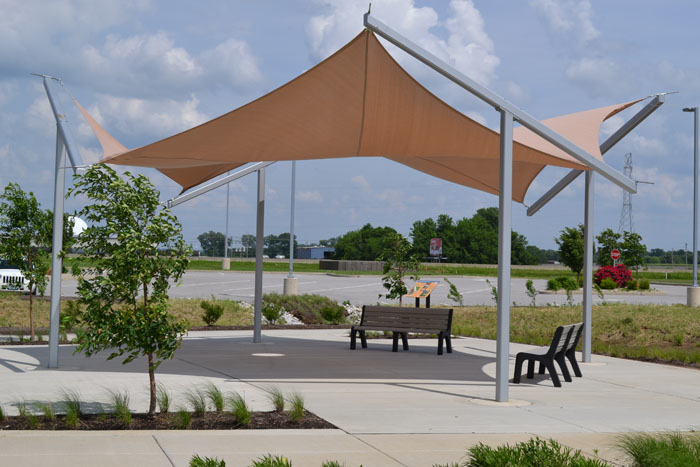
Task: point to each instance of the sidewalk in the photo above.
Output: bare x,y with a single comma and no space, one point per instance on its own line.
408,408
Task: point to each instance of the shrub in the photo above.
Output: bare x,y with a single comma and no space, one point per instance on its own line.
608,284
120,404
212,311
198,401
669,449
334,314
197,461
272,312
297,410
215,396
568,283
307,308
72,406
553,284
631,285
48,411
644,284
239,409
271,461
163,398
620,274
533,453
184,419
276,397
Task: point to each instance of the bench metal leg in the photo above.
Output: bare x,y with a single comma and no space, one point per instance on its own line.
353,337
518,369
531,369
542,365
553,373
561,360
404,340
363,339
395,342
448,341
574,364
441,337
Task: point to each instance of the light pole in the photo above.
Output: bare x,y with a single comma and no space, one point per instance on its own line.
694,291
290,282
226,262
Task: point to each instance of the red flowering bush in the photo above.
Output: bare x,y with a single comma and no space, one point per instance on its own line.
620,274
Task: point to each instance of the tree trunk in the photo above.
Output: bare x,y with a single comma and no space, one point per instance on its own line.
31,312
152,381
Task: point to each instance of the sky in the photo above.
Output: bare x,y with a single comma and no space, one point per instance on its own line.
149,69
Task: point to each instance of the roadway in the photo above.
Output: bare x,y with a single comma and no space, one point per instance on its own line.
366,289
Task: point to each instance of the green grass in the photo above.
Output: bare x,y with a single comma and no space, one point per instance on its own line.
665,333
662,450
239,408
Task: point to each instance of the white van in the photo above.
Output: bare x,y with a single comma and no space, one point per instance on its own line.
11,278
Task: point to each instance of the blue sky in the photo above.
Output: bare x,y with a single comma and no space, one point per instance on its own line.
148,69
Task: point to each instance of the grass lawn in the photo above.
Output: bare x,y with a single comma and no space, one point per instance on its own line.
667,333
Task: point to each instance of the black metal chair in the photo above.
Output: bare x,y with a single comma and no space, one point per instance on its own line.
557,352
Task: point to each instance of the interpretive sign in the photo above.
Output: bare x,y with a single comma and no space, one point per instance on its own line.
435,247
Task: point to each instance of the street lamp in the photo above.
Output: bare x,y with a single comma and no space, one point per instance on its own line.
694,291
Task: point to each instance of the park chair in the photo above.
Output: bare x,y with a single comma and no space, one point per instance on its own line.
557,351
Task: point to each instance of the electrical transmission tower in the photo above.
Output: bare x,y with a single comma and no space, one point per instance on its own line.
626,222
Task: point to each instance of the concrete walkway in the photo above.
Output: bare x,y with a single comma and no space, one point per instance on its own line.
408,408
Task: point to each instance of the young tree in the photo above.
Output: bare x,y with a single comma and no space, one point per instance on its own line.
136,250
633,251
571,248
398,261
25,238
608,240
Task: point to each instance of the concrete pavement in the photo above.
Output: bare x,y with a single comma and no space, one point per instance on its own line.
410,408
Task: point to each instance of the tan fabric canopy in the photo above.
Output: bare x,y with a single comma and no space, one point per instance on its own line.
358,103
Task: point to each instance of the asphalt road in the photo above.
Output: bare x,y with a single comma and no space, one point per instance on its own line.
361,290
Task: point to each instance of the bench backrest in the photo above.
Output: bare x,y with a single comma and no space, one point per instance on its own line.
437,319
561,338
576,332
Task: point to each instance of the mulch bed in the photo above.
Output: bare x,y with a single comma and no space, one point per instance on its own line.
169,421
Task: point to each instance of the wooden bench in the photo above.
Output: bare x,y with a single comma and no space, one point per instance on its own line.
563,346
403,320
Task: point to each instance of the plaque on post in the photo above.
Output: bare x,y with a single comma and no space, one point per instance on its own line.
423,289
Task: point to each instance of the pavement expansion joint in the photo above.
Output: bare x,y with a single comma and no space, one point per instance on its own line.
492,403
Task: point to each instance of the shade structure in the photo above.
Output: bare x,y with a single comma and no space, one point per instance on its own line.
359,103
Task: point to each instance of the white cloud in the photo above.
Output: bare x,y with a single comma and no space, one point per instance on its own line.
65,38
147,117
468,47
598,76
362,183
518,93
39,116
684,79
570,18
392,199
152,64
310,196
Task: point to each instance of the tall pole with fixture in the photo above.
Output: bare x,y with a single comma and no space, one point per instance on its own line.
290,282
694,290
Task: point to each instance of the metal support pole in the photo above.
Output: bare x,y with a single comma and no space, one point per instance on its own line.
259,237
588,269
291,221
228,195
695,200
505,197
56,261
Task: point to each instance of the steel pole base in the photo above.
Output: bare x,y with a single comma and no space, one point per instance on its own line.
290,286
693,297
